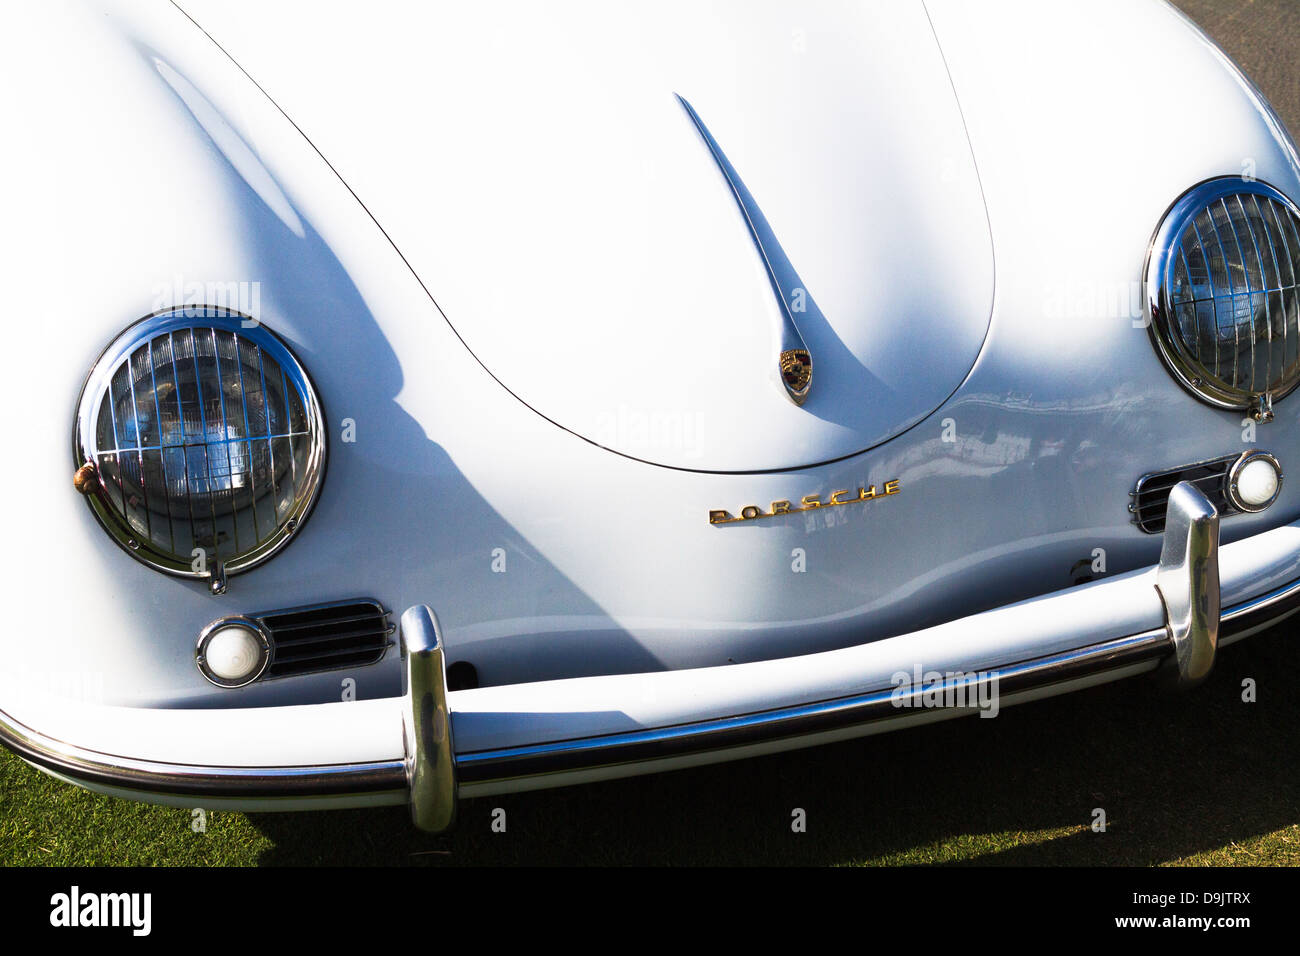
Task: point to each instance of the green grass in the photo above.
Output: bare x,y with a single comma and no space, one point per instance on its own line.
1194,779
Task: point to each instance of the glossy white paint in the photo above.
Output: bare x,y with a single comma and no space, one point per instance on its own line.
557,202
145,160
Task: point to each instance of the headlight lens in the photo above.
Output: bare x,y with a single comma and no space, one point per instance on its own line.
207,441
1222,289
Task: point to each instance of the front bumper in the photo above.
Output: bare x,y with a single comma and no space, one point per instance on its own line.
430,746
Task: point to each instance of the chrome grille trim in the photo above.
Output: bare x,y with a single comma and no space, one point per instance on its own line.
1222,295
1151,494
321,637
193,465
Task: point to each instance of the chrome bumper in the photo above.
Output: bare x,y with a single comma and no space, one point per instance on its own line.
424,768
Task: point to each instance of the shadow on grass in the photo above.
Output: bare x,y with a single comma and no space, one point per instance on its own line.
1176,774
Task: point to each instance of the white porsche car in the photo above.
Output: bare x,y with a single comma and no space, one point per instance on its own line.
412,401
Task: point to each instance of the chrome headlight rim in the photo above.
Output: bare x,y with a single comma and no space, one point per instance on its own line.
120,349
1158,282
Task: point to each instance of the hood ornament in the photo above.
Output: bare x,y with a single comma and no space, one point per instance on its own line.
796,373
794,361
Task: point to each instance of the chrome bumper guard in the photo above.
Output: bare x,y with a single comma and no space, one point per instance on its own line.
1187,580
426,722
433,773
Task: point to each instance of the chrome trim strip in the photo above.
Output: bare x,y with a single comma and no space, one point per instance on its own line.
729,732
1251,612
791,347
149,776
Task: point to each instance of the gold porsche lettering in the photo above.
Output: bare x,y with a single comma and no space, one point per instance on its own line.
844,496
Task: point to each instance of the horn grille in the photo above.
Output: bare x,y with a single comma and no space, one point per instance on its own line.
326,636
1151,496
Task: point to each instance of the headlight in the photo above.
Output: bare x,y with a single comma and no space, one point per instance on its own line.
199,443
1221,286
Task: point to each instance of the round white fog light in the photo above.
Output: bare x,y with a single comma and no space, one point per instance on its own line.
233,652
1255,481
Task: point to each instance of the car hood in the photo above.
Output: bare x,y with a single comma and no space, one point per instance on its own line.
628,270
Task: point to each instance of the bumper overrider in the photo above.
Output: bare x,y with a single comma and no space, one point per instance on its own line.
431,746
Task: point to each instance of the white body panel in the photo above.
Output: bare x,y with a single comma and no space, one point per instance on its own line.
556,201
165,166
